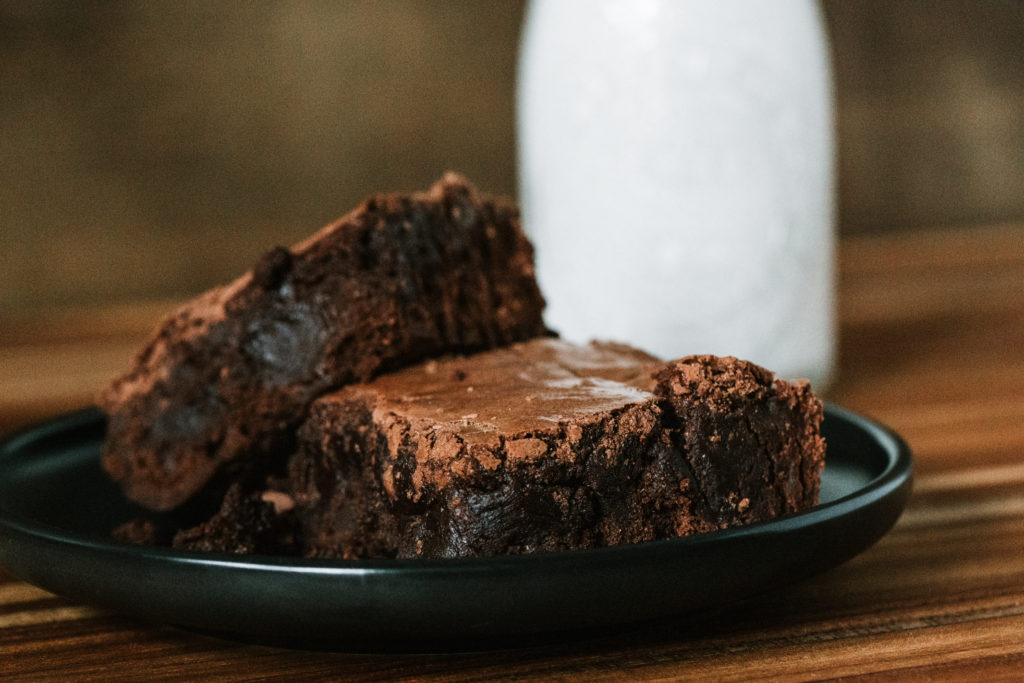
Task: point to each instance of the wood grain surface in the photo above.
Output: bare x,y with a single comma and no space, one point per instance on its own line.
932,328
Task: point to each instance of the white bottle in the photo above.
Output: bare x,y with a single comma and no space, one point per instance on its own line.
676,168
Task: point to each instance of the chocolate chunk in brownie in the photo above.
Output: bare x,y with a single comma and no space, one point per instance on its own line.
548,446
225,380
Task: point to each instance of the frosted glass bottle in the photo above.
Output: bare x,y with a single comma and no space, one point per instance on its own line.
676,164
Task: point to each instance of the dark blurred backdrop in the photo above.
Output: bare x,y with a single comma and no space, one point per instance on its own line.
153,149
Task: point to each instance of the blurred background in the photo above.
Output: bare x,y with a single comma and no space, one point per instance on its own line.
149,150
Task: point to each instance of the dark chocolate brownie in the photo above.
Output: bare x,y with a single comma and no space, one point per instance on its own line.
549,446
226,379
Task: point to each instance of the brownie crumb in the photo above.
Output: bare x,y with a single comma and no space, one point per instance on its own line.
245,523
138,531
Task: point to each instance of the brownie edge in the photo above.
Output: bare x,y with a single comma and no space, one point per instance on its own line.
752,441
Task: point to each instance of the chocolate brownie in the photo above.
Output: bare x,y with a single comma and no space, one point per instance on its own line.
547,446
225,380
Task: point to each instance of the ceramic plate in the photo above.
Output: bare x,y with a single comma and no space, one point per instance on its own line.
57,509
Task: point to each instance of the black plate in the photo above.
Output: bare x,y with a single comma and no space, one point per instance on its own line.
57,508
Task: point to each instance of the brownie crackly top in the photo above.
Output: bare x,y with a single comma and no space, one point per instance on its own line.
493,396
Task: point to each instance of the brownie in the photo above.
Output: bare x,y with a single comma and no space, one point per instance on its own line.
137,531
247,522
548,446
218,391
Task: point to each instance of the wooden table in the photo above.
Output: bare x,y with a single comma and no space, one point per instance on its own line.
932,332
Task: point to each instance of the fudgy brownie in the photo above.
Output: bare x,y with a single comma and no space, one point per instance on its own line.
549,446
225,380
